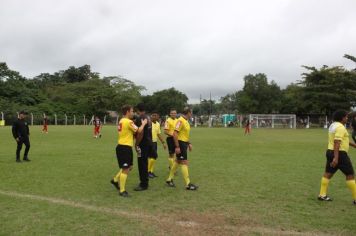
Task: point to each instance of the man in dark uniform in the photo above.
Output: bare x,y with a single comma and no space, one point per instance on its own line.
143,146
21,134
353,125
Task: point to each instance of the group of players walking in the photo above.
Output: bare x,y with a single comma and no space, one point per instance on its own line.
142,133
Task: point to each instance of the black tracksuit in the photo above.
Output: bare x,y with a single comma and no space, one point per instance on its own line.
353,124
145,145
21,131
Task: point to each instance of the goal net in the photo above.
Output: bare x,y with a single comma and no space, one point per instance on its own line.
287,121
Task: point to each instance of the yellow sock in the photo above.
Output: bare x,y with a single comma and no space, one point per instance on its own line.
150,164
324,186
153,161
172,171
171,162
117,176
185,174
123,178
352,186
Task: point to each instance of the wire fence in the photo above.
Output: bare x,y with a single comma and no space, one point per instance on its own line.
216,120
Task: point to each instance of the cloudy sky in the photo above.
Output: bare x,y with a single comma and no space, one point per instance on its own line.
196,46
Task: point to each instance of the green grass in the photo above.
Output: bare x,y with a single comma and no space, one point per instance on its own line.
265,183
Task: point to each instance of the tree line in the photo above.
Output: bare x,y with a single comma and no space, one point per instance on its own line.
79,90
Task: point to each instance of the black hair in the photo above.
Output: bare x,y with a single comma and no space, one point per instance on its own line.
339,115
141,107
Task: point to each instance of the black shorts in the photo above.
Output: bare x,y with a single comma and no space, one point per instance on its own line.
344,164
170,144
153,151
183,151
124,156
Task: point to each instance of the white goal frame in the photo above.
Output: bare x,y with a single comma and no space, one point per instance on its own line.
273,121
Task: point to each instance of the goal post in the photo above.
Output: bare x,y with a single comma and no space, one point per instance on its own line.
278,121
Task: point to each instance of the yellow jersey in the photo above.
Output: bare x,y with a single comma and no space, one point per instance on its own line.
170,125
183,129
156,130
337,131
127,129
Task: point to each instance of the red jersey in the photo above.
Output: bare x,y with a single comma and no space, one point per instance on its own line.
97,122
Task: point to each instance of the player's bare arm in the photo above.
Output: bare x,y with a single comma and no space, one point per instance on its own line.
336,153
162,141
176,143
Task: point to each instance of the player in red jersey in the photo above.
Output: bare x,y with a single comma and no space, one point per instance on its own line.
45,124
97,127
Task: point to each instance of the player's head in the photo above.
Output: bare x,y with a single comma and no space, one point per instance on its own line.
173,113
340,116
127,111
22,114
141,109
187,112
154,116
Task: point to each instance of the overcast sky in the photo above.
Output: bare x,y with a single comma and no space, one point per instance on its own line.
196,46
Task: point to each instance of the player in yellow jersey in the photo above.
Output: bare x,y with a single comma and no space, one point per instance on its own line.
337,156
181,137
156,134
127,129
169,127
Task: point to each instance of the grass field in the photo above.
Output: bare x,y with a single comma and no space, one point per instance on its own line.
263,184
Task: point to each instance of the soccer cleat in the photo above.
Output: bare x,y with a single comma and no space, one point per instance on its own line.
99,135
116,184
140,188
170,183
191,187
150,175
124,194
18,160
26,159
153,174
324,198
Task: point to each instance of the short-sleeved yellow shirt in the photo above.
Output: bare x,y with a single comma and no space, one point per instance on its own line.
183,129
127,129
337,131
170,125
156,130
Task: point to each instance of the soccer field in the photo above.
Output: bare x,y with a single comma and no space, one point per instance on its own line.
266,183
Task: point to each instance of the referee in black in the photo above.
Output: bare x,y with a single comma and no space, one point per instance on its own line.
353,125
21,134
143,146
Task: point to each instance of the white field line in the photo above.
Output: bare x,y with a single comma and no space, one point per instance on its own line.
185,224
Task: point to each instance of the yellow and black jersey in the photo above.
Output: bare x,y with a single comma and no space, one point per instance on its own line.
170,125
337,131
127,129
183,129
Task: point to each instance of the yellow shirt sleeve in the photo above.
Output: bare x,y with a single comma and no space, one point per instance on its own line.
159,129
339,133
133,127
166,125
179,126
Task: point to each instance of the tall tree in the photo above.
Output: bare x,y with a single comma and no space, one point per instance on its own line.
328,88
162,101
258,96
